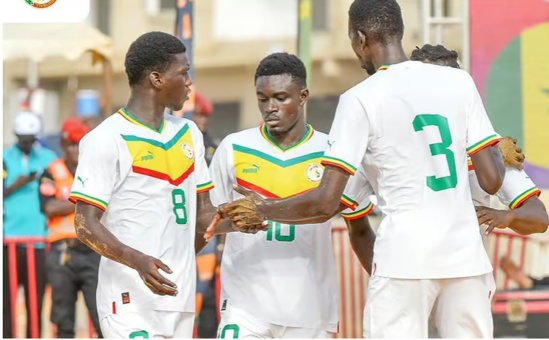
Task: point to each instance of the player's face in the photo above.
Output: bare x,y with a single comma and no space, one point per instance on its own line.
25,143
71,151
280,101
362,51
176,83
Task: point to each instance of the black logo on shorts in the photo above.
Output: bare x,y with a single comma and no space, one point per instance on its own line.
224,306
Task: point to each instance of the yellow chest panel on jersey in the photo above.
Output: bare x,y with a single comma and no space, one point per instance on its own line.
172,161
275,178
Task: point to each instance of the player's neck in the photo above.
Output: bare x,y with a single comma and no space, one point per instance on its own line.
146,110
292,136
389,54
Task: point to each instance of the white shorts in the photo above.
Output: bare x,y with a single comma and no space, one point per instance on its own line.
148,324
240,325
401,308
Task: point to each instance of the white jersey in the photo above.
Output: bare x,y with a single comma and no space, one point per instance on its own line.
286,275
517,187
147,182
411,126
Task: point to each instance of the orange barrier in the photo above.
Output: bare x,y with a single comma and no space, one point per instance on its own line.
29,242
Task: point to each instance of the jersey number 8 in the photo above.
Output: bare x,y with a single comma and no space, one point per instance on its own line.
179,209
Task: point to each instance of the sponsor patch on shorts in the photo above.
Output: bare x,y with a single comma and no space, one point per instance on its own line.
125,298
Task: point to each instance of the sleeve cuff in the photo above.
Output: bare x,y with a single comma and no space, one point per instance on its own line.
523,197
349,203
204,187
78,196
326,160
488,141
359,213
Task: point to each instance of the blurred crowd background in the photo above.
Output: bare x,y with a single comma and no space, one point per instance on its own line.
69,77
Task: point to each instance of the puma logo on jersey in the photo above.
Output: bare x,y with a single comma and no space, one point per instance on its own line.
149,156
253,170
330,143
83,181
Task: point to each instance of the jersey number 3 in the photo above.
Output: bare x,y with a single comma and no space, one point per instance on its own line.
179,209
446,182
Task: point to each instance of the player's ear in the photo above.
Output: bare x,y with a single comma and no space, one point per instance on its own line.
362,39
303,96
156,79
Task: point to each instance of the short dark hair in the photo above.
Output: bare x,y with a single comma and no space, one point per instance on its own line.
438,55
152,51
282,63
379,20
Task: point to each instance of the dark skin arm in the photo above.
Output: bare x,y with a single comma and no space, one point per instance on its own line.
489,169
531,217
20,182
55,207
206,213
362,238
92,233
315,206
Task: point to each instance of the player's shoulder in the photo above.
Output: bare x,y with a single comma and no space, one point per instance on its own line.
105,133
247,136
319,137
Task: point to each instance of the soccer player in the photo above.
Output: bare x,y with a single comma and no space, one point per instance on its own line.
528,214
140,181
280,283
412,135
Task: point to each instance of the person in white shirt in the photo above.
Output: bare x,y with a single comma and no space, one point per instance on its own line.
412,136
288,271
141,194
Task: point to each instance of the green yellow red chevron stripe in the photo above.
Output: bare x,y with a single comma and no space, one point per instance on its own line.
204,187
78,196
488,141
265,134
359,213
347,201
124,113
470,166
339,163
172,161
523,197
273,177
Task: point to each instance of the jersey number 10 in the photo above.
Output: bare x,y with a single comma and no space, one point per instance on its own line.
446,182
278,232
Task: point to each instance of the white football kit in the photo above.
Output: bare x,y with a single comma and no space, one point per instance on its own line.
412,135
146,181
278,283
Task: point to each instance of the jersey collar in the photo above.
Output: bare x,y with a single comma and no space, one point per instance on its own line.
306,137
136,121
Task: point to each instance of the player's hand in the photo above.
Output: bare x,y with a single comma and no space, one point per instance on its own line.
493,218
252,229
147,267
245,212
511,153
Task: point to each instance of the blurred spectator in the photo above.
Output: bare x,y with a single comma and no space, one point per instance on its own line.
71,265
24,162
524,281
201,116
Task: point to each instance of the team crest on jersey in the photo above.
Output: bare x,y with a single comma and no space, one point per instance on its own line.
314,172
187,150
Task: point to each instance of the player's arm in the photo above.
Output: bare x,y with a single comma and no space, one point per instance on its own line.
527,215
529,218
362,238
489,169
94,234
49,205
347,145
481,138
